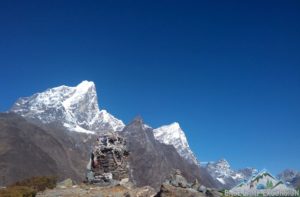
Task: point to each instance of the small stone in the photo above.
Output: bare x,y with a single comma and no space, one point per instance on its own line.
66,183
195,185
202,189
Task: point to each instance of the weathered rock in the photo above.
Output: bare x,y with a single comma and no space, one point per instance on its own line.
127,183
202,189
65,183
145,191
196,186
176,179
176,185
108,163
213,193
151,161
168,190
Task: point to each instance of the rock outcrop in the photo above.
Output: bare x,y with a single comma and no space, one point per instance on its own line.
151,162
177,186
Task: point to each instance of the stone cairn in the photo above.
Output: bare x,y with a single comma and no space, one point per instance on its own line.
108,164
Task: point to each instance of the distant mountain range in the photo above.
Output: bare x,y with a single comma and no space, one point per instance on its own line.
76,109
290,177
52,133
225,176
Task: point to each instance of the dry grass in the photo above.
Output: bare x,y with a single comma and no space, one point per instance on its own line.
29,187
18,191
38,183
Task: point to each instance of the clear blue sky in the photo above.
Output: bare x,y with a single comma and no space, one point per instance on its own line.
227,71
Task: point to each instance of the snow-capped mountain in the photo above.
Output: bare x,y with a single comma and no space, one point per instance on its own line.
290,177
173,135
227,177
76,108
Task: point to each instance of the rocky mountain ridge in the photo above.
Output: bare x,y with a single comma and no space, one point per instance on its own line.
173,135
225,176
290,177
71,116
75,108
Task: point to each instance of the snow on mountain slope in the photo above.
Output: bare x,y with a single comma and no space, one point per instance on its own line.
76,108
290,177
222,172
220,168
173,135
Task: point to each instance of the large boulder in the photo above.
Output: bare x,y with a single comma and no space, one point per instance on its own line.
196,185
176,179
168,190
177,185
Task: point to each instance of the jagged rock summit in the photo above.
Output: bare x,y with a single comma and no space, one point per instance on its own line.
290,177
75,108
225,176
151,161
173,135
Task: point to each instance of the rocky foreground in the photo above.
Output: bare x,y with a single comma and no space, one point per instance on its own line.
97,191
85,190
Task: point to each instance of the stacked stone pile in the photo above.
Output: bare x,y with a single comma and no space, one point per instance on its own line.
108,161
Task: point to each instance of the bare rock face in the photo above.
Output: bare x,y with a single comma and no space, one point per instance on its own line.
151,161
108,162
28,150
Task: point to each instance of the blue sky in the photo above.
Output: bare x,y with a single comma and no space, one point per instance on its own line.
227,71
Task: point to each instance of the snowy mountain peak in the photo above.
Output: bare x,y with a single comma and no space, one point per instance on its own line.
220,168
76,108
84,85
171,132
173,135
175,125
222,172
290,177
223,163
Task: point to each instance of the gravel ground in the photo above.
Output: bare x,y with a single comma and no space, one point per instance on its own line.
93,191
